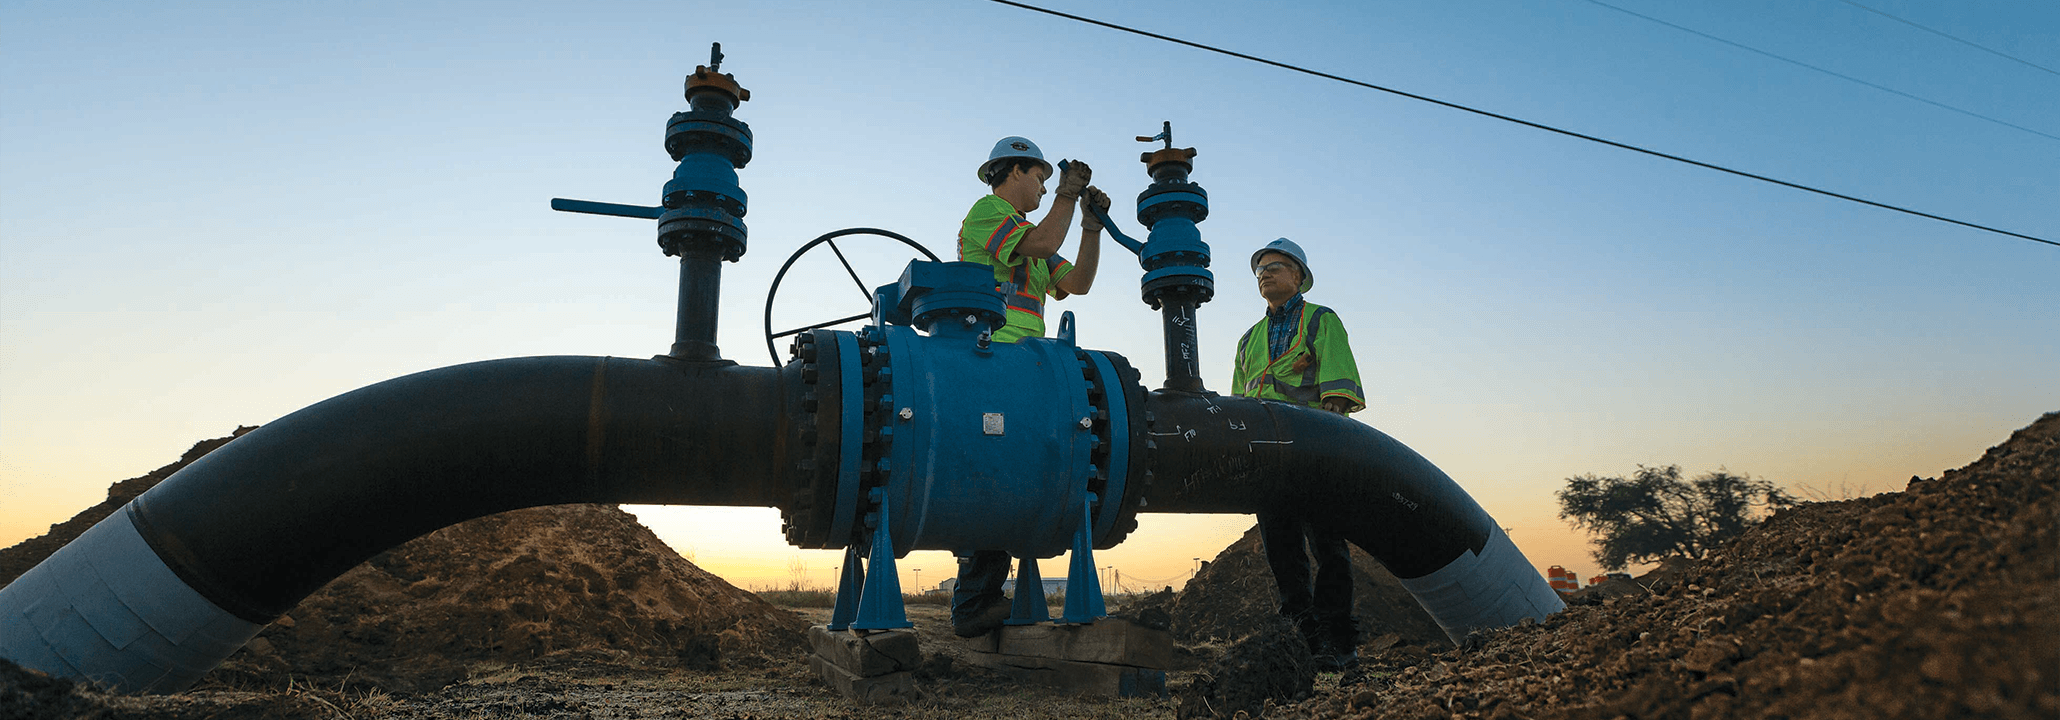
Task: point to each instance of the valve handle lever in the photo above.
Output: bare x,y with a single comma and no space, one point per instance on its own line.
1165,133
1133,246
600,208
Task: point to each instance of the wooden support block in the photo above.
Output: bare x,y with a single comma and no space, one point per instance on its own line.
1080,678
1112,641
991,642
869,654
889,689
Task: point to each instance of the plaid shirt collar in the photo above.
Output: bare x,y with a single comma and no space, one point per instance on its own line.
1280,330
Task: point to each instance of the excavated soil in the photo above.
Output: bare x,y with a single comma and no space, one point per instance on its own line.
1942,601
512,588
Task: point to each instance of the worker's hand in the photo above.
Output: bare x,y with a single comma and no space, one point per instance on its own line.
1338,405
1073,179
1092,199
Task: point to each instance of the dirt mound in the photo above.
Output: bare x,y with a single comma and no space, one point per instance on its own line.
586,580
1270,663
511,588
1941,601
1233,595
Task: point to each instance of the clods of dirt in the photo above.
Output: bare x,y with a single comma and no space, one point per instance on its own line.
1269,664
1941,601
515,587
26,693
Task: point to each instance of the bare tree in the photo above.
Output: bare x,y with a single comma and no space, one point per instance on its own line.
797,573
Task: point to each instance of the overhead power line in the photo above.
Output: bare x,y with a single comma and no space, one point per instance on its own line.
1841,76
1949,37
1519,121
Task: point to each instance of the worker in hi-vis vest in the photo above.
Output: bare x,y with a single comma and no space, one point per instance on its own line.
1027,271
1299,353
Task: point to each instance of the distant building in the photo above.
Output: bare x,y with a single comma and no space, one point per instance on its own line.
1052,586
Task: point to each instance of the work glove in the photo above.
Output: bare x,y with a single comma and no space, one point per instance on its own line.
1073,179
1340,406
1091,199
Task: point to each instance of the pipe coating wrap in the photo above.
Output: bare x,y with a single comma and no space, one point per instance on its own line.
106,610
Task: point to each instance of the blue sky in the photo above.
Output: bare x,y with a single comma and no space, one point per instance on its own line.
213,214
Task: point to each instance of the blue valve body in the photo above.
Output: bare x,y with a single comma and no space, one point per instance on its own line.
976,444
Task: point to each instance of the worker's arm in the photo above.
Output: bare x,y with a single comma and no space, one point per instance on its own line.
1050,233
1337,373
1081,279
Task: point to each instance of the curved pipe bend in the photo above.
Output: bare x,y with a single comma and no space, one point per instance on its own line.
1223,454
154,596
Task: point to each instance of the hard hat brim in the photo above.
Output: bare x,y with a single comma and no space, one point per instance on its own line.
981,174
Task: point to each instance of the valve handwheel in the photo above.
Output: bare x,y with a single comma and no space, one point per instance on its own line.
864,289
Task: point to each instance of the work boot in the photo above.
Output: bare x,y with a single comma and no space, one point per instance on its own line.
988,619
1344,656
1311,631
1344,642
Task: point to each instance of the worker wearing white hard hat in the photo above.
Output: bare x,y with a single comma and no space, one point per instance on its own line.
997,232
1028,271
1299,353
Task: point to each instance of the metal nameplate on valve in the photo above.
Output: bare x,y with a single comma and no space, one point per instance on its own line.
990,423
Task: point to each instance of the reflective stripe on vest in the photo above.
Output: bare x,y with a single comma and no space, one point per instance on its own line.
1012,291
1308,391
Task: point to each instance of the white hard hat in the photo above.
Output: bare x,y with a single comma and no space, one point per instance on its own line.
1288,247
1012,147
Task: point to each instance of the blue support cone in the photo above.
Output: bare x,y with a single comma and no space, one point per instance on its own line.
1083,588
879,605
848,584
1028,606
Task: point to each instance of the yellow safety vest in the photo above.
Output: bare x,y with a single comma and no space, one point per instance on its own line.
1322,349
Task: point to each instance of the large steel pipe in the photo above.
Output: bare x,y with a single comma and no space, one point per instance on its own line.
156,595
1236,455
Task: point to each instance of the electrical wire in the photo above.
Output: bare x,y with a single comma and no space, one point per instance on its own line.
1996,53
1519,121
1841,76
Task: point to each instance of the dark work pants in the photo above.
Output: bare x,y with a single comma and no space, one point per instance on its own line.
1328,601
980,577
